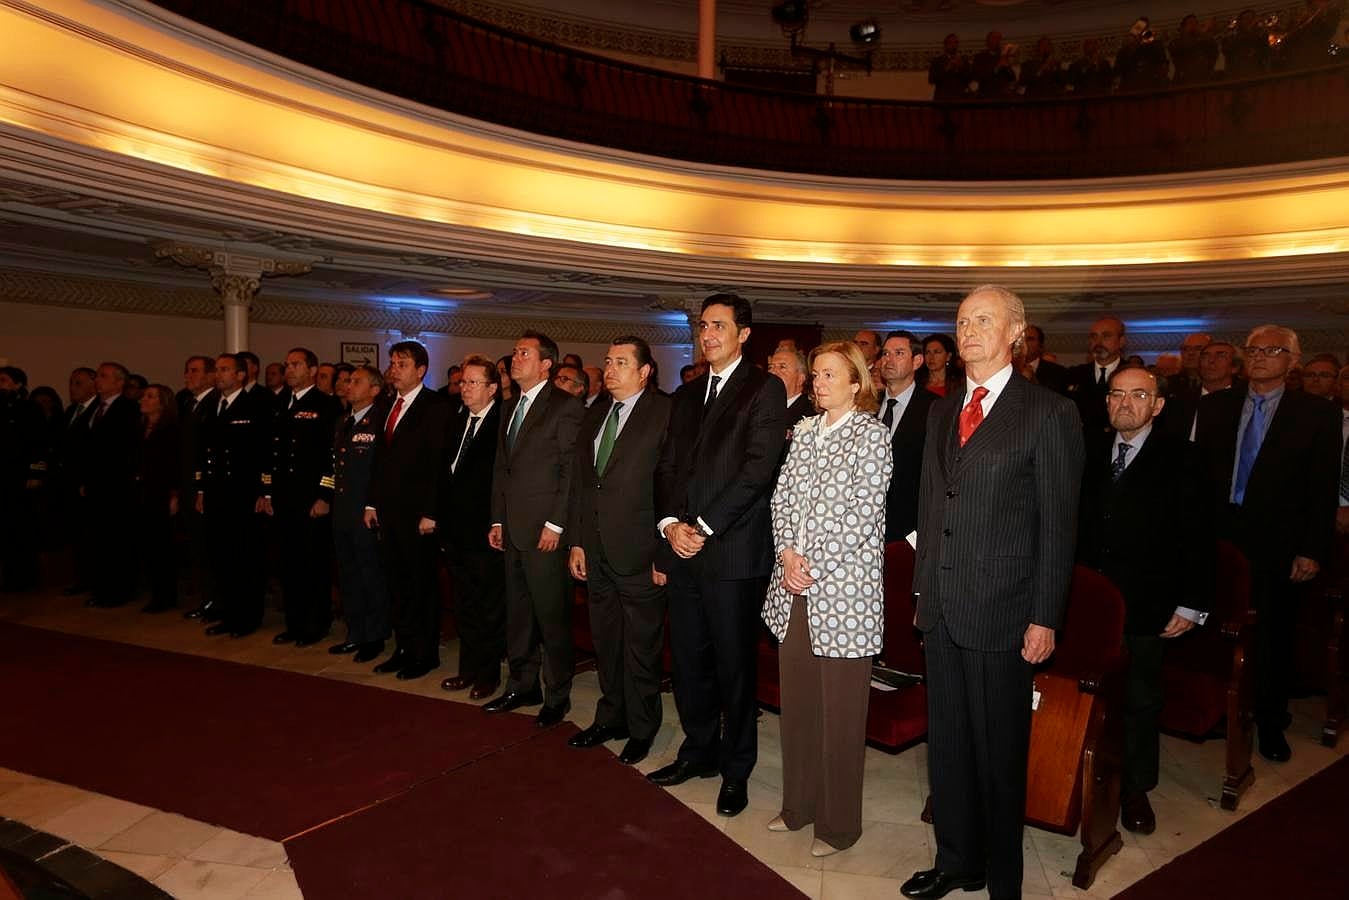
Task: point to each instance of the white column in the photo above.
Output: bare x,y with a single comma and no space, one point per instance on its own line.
707,39
236,277
236,295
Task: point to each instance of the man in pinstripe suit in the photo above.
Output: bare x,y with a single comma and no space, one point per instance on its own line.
1002,464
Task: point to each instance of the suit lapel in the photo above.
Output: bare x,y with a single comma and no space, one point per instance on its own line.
726,394
533,413
1005,415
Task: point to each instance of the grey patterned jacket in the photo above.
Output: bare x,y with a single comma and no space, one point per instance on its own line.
829,506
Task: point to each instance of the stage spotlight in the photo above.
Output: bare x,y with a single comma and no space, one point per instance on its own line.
865,33
791,15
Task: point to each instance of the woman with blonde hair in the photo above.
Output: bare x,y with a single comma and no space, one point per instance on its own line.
825,602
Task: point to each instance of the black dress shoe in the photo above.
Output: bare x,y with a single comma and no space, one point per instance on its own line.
1136,813
596,735
416,670
284,637
936,883
217,628
309,641
732,798
634,751
678,772
194,613
368,651
456,683
1273,745
551,715
513,700
212,612
483,689
394,663
241,632
344,648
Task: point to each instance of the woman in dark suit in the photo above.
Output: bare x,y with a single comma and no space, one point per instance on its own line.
157,493
825,602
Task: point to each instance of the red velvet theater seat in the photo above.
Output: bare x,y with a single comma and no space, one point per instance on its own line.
898,718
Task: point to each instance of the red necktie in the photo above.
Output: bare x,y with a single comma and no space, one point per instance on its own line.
393,420
972,414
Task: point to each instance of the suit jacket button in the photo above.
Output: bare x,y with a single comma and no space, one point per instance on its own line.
946,532
950,494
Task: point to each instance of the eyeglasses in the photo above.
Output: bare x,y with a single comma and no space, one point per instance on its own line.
1118,396
565,379
1267,351
476,381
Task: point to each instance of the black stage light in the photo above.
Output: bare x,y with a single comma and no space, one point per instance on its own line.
865,33
791,14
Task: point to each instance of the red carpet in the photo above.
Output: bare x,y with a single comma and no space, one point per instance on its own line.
1293,846
385,794
538,820
200,736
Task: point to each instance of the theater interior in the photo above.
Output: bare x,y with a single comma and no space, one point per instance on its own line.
186,176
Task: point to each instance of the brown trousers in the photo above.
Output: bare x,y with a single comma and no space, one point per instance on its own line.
824,724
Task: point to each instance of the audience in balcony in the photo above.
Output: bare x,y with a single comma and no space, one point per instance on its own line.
1141,63
991,68
949,73
1092,74
1042,75
1308,40
1194,52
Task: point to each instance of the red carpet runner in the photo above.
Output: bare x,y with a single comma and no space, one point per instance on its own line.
1293,846
376,793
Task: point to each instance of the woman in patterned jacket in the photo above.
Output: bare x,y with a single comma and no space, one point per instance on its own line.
825,600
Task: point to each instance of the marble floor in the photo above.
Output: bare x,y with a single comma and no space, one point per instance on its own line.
190,859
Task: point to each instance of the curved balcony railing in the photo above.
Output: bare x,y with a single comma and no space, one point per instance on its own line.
426,53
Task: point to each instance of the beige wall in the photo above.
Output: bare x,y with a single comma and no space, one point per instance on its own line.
47,342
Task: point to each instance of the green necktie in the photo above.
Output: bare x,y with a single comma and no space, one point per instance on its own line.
607,440
515,422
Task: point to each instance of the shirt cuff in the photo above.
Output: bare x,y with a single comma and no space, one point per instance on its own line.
1344,502
1194,615
663,524
369,509
551,527
706,527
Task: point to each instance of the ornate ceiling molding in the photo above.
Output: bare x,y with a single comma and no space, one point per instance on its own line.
107,295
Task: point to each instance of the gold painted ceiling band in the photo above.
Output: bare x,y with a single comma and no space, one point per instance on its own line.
83,85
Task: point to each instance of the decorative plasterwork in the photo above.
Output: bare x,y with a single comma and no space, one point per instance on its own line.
135,297
300,162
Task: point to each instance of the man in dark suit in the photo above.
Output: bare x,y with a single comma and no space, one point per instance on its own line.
198,401
713,483
24,467
229,485
360,573
404,490
531,491
1130,475
477,571
1216,373
1087,382
997,514
904,409
297,486
1045,372
790,366
612,533
109,484
72,453
1189,377
1272,460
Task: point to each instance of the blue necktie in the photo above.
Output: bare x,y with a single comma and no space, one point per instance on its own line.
1117,467
1250,448
515,422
